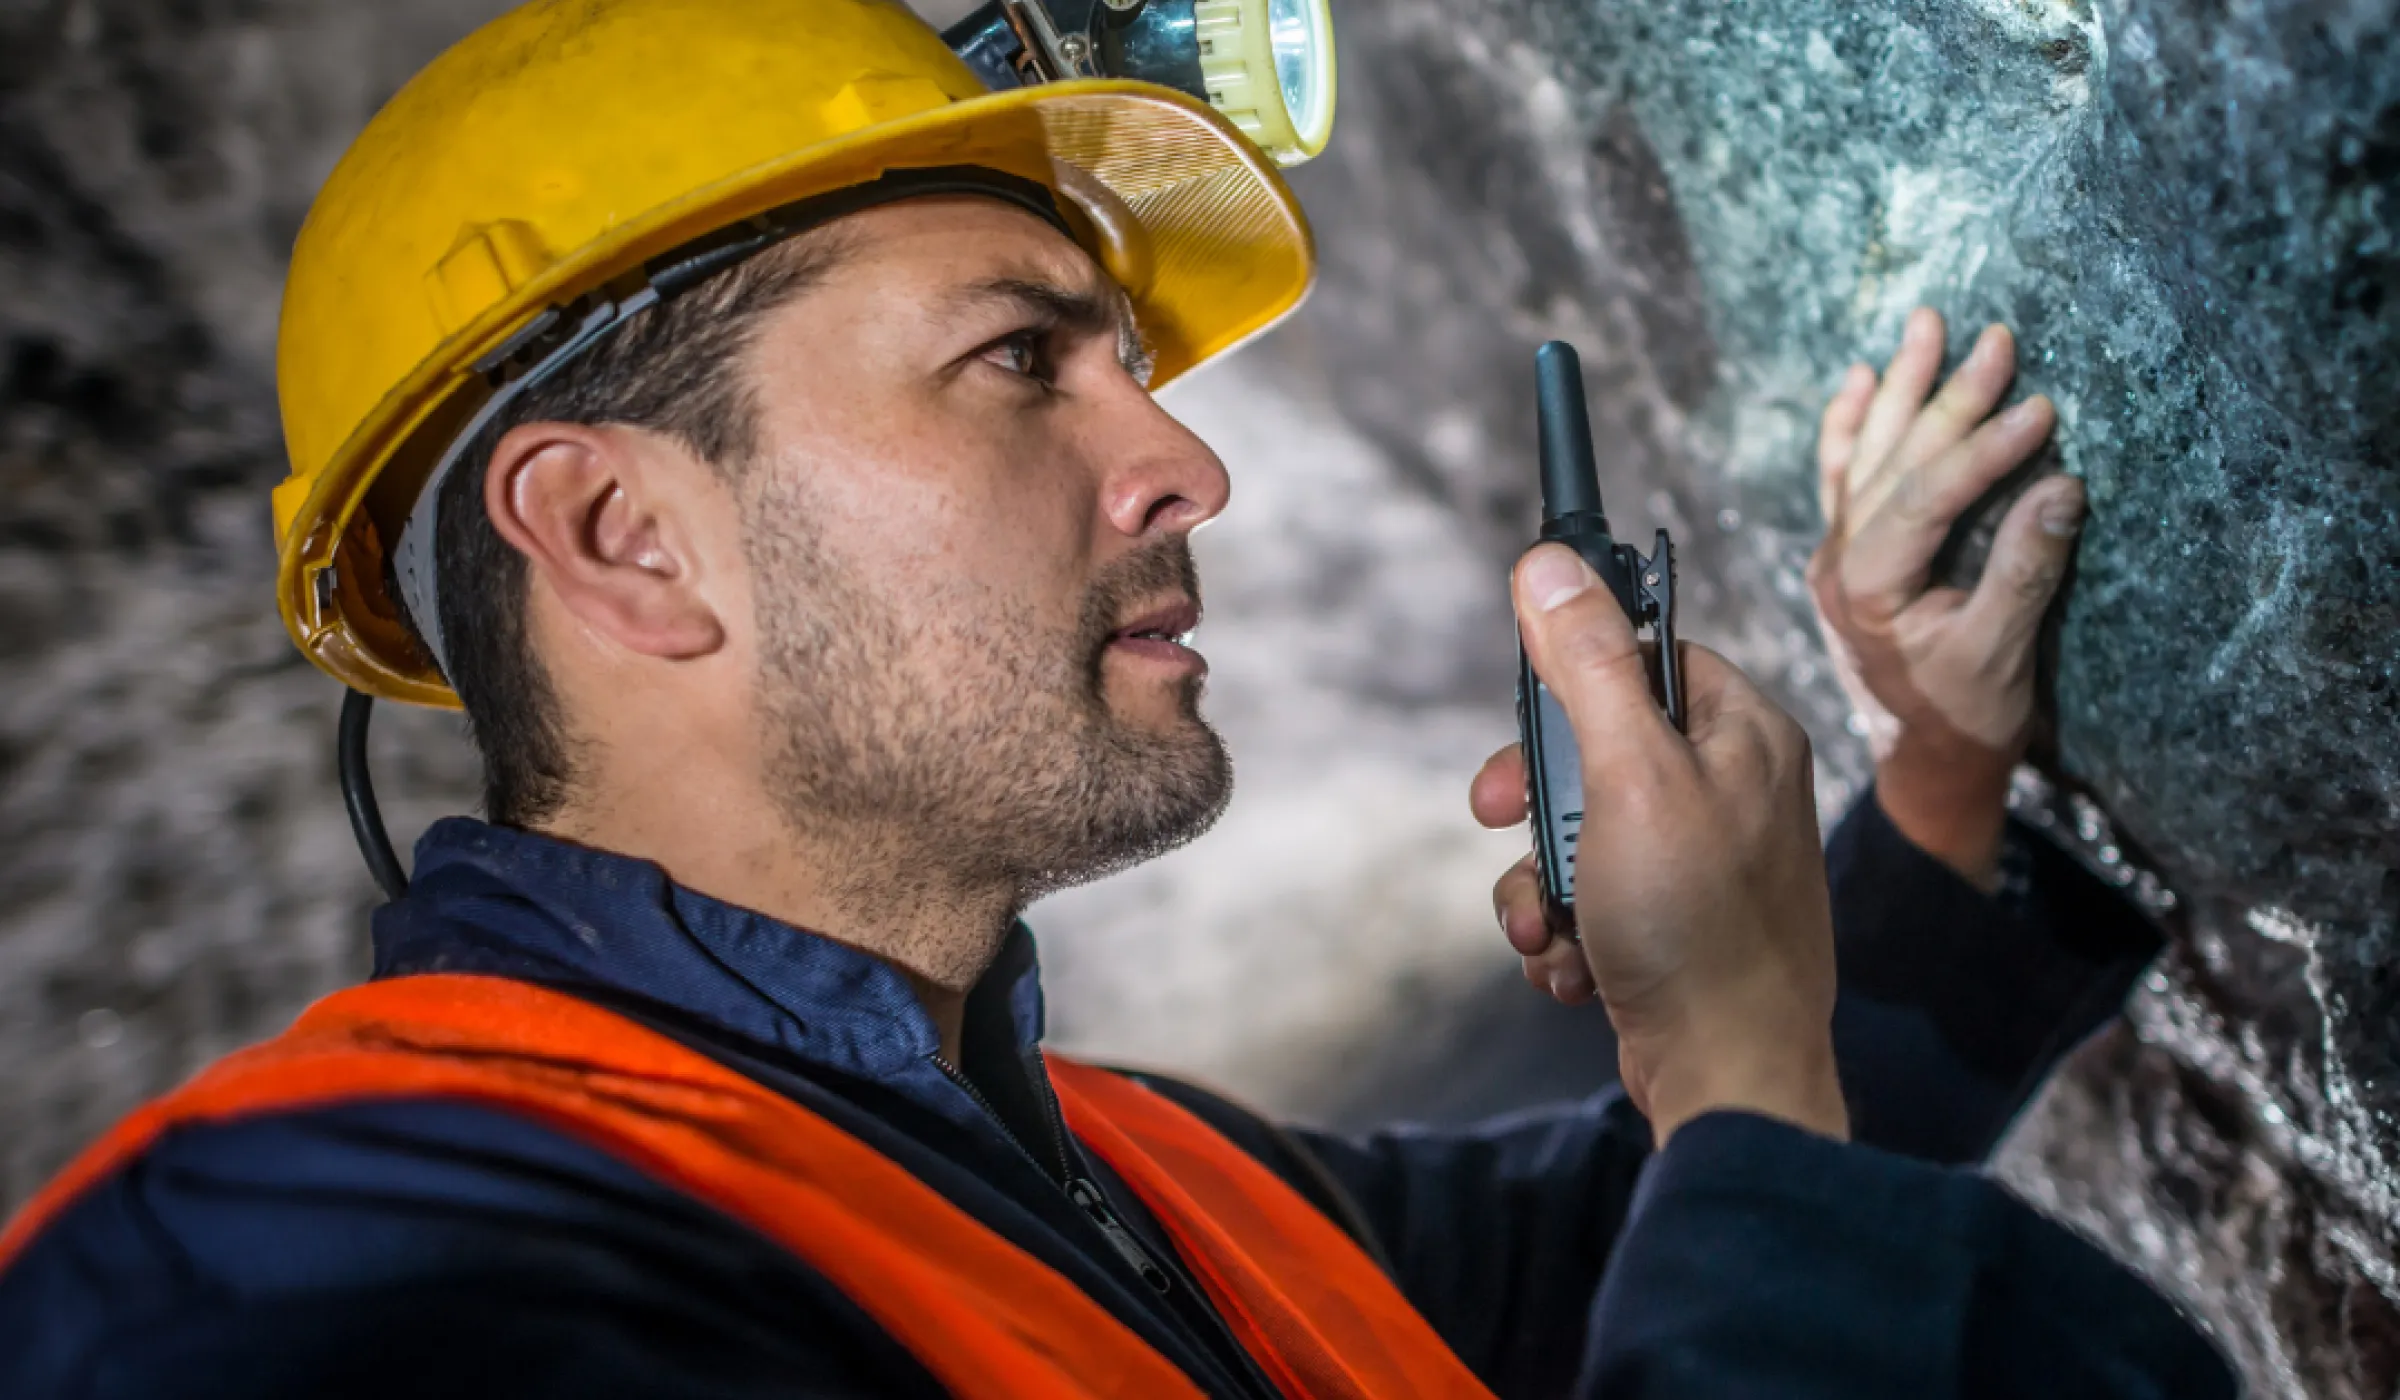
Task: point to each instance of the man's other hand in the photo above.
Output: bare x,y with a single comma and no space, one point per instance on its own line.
1944,677
1700,884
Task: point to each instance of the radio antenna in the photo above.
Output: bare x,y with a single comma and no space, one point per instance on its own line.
1570,476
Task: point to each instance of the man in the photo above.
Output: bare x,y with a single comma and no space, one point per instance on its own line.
820,612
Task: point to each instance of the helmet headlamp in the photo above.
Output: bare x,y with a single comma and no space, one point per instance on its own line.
1267,65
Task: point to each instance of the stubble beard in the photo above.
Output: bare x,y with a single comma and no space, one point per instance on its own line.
1006,774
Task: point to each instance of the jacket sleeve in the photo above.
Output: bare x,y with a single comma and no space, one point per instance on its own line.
1751,1261
1758,1261
1956,1004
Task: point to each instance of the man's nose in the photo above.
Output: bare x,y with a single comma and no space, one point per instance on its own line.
1163,479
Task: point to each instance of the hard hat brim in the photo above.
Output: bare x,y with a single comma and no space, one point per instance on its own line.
1186,213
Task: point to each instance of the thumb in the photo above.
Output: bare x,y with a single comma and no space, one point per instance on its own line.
1583,647
2029,557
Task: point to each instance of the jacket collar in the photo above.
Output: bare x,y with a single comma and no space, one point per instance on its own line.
510,903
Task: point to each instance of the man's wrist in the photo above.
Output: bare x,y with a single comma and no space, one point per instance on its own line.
1797,1084
1952,806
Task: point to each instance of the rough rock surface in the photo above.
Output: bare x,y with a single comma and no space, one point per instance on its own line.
2185,207
173,868
2191,215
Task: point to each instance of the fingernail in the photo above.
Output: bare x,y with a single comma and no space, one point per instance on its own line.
2025,413
1560,982
1555,575
2063,515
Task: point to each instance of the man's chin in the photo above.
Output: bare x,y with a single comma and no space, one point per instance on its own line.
1156,791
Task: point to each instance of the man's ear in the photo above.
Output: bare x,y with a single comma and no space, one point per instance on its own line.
606,518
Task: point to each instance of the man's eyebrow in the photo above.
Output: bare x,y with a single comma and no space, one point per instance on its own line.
1073,308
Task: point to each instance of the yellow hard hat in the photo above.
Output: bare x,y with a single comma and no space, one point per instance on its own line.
555,154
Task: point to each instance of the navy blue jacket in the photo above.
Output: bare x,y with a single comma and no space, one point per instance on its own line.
425,1248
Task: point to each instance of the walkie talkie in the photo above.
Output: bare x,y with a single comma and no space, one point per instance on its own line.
1645,588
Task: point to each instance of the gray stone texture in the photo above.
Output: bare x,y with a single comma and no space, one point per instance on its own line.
2186,208
2187,211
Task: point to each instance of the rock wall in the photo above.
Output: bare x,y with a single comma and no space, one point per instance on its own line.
2190,212
2185,207
175,879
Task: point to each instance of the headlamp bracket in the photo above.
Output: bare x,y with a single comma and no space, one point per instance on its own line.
1047,51
1023,43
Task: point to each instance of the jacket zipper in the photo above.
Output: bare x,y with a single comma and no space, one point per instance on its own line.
1086,1195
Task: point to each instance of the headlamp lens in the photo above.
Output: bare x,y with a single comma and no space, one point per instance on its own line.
1293,29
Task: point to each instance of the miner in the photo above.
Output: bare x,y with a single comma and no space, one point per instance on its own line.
747,415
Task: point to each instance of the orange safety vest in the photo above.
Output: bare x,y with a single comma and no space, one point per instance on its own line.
986,1318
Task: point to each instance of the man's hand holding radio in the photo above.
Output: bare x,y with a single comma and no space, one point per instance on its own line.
1701,898
1700,883
1945,677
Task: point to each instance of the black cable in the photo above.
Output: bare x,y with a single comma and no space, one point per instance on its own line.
358,794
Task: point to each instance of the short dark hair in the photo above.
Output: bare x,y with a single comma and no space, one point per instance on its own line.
676,369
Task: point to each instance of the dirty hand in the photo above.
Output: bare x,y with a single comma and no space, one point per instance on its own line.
1944,677
1700,889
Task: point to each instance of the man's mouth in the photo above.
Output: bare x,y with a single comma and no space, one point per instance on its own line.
1162,634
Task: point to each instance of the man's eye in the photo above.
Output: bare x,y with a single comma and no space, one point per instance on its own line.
1020,354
